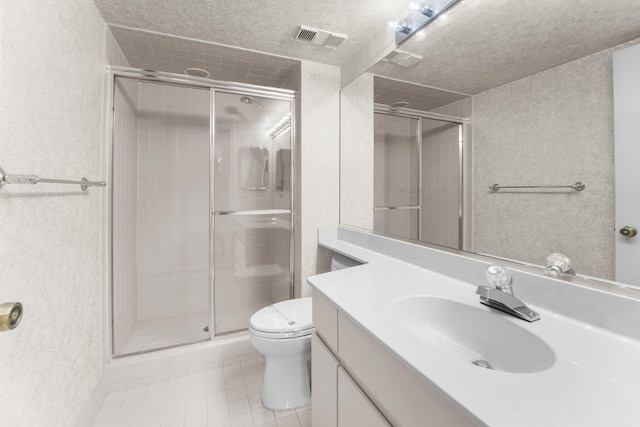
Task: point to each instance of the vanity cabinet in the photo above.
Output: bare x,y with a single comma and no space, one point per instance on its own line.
324,383
325,319
354,407
368,380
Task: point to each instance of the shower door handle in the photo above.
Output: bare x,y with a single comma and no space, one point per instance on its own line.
254,212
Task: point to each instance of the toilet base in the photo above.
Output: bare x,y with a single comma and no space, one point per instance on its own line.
287,376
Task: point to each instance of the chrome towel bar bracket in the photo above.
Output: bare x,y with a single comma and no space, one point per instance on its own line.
578,186
84,183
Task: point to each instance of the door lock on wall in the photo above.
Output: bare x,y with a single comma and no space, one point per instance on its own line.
628,231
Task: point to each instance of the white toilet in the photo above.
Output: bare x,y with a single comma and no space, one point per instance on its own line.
282,333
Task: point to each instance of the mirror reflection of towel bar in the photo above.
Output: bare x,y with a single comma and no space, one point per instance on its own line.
578,186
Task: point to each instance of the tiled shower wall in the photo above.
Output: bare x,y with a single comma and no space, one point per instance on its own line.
173,201
440,183
126,212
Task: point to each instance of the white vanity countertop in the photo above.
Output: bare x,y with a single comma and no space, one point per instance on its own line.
595,380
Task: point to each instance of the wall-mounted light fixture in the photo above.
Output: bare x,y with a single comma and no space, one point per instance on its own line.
420,14
399,27
281,127
422,8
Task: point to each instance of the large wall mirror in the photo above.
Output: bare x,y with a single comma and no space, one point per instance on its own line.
511,93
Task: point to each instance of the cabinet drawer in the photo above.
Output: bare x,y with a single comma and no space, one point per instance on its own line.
355,408
324,385
403,398
325,319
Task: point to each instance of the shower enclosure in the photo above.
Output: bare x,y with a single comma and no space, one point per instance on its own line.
418,176
201,234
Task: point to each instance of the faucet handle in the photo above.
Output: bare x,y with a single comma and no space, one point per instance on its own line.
559,263
498,277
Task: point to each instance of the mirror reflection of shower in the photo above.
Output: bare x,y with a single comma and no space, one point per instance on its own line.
249,100
418,175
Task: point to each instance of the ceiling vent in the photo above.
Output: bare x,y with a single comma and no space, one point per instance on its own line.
402,58
317,37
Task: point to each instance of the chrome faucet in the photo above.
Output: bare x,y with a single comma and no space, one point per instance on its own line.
499,294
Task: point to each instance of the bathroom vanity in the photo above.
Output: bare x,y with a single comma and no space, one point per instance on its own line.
347,360
397,337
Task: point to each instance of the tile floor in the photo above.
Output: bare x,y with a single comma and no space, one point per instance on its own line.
223,394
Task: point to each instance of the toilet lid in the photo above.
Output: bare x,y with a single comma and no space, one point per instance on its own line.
285,316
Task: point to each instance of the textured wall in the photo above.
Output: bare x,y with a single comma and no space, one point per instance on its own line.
554,128
50,235
319,159
380,45
356,153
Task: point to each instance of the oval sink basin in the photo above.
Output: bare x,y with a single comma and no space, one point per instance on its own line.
473,334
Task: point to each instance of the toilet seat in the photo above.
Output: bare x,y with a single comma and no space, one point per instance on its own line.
282,320
281,335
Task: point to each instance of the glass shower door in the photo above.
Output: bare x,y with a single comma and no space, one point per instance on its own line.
397,176
160,216
252,206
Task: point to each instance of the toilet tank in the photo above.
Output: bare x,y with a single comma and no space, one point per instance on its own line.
338,262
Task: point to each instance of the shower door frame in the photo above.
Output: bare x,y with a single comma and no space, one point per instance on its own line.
213,86
462,131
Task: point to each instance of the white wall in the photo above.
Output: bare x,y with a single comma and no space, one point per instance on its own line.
50,236
380,45
356,153
318,165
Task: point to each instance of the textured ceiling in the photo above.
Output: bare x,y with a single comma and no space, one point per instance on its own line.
266,26
160,52
423,98
486,43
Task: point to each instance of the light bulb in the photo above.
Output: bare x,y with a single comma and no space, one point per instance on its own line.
422,8
392,25
399,27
